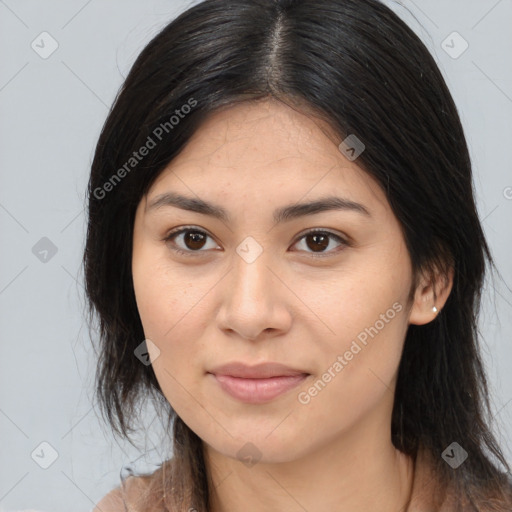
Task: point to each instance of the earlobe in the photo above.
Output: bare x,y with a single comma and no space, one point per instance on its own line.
430,297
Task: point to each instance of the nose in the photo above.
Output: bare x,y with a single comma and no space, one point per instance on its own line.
255,300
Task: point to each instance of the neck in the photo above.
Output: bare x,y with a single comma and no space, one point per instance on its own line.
359,470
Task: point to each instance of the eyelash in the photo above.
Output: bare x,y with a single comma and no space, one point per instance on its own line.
179,231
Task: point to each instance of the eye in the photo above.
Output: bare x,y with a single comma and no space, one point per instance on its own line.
193,240
319,240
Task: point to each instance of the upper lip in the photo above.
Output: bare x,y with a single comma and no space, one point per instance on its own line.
258,371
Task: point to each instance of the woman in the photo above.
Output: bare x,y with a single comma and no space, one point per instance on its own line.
284,249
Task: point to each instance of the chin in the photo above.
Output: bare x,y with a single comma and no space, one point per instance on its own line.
253,448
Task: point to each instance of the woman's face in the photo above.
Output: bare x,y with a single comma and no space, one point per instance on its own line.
253,287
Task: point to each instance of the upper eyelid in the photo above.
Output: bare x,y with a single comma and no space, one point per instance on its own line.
180,230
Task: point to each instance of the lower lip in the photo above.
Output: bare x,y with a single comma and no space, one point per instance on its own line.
258,391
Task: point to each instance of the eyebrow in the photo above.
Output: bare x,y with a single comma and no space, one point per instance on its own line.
285,213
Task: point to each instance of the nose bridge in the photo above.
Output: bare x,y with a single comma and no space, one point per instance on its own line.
252,300
250,284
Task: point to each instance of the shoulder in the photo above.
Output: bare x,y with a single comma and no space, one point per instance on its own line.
112,502
493,495
120,500
430,492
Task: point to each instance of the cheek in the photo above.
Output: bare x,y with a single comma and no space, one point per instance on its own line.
163,294
357,370
367,313
371,296
171,306
368,346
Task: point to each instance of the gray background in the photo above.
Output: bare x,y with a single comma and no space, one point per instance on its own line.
52,110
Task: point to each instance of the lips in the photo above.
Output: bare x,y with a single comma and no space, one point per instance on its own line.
257,384
260,371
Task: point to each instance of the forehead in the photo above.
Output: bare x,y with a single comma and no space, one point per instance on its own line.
265,130
266,149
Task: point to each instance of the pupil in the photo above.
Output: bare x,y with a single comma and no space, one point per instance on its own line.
195,238
322,245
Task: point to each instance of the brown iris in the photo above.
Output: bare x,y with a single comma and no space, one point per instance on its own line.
321,241
194,239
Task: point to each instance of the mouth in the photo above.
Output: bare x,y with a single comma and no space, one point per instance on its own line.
257,384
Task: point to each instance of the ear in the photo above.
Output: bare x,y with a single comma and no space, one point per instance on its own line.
431,292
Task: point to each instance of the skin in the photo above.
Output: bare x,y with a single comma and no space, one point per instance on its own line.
287,306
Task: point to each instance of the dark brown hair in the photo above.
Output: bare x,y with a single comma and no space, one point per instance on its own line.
358,66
